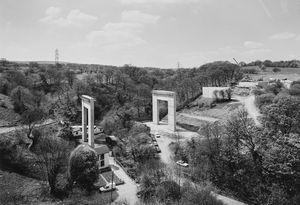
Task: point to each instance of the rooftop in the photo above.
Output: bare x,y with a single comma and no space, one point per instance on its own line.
101,149
163,92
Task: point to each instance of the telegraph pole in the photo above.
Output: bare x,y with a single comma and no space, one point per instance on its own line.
112,178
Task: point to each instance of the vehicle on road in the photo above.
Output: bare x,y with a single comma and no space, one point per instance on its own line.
77,130
108,187
182,163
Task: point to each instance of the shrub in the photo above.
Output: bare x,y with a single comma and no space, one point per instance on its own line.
258,91
66,133
168,191
222,94
295,89
264,99
275,70
229,93
206,102
274,87
83,167
250,70
195,195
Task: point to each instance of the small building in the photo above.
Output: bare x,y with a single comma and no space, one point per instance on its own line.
103,156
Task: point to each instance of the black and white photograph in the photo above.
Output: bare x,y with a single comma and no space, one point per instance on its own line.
149,102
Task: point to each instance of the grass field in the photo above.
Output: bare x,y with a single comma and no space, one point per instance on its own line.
289,73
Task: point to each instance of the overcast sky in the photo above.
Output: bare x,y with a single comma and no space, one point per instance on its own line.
156,33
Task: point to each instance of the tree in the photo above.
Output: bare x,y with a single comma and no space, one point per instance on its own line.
168,191
52,154
83,167
70,76
222,94
30,118
229,93
216,95
22,99
283,115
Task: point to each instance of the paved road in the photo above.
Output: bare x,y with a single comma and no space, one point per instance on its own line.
166,155
128,190
9,129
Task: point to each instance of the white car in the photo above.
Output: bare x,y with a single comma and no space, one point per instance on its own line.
77,130
182,163
108,187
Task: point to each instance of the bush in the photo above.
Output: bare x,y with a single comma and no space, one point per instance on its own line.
264,99
258,91
66,133
198,195
168,191
250,70
275,87
275,70
295,89
83,167
206,102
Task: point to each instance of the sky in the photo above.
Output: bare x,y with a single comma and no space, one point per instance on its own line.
154,33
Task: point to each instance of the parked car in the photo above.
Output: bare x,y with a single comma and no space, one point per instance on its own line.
182,163
108,187
157,136
157,149
77,130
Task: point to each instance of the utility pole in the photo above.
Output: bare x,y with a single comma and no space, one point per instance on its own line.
112,179
179,166
112,182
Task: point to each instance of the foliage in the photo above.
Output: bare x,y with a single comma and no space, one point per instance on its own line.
22,99
196,195
257,164
282,64
250,70
168,191
295,88
52,154
281,115
264,99
276,70
83,167
30,118
274,87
